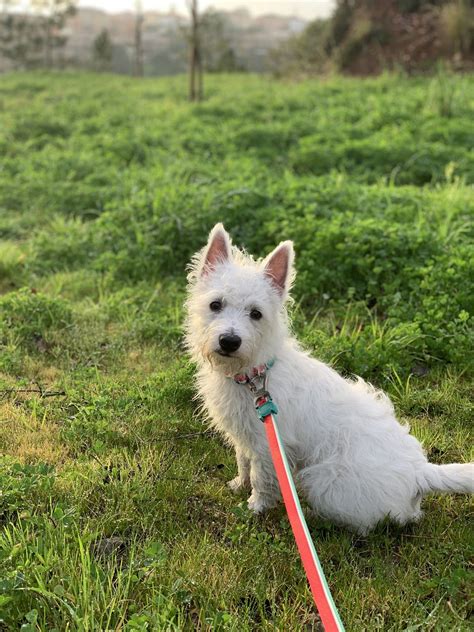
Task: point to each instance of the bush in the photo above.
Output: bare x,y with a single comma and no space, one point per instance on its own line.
63,244
393,156
21,486
28,316
457,27
370,179
11,265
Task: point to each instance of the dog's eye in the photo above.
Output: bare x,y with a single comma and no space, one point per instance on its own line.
215,306
255,314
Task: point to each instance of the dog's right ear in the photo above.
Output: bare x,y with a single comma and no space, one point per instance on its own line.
218,249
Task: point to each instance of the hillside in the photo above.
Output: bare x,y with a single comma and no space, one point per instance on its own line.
114,513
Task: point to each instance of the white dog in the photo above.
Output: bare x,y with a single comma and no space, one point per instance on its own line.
351,458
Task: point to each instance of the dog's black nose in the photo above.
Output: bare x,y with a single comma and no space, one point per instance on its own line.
229,342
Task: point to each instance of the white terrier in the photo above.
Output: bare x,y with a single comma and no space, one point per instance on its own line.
351,458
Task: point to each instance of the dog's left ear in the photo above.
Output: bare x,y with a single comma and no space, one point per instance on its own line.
278,267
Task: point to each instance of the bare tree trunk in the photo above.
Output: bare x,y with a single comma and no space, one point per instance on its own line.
199,73
195,62
48,45
138,62
192,73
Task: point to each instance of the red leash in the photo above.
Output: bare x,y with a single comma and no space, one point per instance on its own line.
266,408
322,596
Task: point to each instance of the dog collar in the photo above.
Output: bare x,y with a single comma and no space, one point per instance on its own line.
256,371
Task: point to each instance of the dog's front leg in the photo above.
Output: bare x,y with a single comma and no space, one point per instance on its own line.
242,480
265,489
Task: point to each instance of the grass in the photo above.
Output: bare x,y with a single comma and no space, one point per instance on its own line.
114,512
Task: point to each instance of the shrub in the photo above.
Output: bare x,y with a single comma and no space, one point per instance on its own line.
27,316
11,265
457,26
383,155
62,244
369,178
21,486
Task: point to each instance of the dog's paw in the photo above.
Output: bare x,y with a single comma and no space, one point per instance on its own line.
236,484
259,504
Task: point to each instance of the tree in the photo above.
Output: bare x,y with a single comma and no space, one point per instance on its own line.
457,28
52,16
138,40
302,54
195,59
20,37
103,50
217,54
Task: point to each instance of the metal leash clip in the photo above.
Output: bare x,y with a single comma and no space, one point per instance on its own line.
264,405
257,384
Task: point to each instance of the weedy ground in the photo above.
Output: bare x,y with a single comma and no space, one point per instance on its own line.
114,511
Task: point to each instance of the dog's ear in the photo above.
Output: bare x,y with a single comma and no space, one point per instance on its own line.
218,249
278,267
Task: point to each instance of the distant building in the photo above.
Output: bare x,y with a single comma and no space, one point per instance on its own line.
164,40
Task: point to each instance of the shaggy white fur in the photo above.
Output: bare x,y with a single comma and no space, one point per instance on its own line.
354,462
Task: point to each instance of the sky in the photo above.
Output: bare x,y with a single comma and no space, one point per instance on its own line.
308,9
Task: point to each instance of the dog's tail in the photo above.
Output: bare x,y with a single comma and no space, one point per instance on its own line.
456,477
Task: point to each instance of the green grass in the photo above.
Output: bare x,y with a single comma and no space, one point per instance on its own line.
114,512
